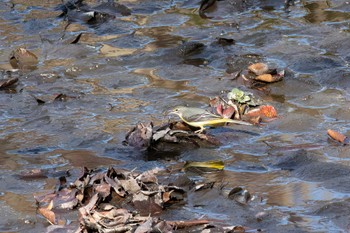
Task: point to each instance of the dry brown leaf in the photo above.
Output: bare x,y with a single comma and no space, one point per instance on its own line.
8,82
116,185
338,136
166,196
103,189
140,136
130,185
263,111
23,59
48,214
145,227
65,199
268,78
189,223
268,111
148,177
258,68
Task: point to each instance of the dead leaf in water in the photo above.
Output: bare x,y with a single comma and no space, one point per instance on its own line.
22,58
268,111
8,82
263,111
140,136
268,78
338,137
50,216
258,68
225,41
218,165
240,195
33,174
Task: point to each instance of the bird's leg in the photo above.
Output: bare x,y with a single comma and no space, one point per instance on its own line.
200,130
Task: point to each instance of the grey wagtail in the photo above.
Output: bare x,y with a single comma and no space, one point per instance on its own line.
201,118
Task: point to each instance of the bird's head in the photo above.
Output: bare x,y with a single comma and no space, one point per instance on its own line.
178,110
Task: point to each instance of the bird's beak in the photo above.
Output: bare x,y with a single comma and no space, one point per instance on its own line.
168,112
171,112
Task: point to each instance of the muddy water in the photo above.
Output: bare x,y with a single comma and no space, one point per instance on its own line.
128,70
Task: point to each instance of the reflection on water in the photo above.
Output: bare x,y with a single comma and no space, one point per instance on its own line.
129,70
319,12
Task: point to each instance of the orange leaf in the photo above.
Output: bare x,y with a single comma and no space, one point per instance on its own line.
268,111
48,214
337,136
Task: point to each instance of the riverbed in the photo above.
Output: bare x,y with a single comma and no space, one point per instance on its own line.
127,69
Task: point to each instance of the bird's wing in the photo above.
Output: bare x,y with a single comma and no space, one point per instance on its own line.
203,116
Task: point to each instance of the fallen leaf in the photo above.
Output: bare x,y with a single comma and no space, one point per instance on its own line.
116,185
148,205
228,112
338,136
76,40
258,68
148,176
140,136
145,227
65,199
23,59
219,165
8,82
268,111
104,189
188,223
166,196
263,111
203,186
33,174
130,185
49,215
269,78
225,41
240,195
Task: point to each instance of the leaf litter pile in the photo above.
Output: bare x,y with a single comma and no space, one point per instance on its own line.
118,200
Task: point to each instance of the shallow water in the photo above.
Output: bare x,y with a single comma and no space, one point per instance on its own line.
128,70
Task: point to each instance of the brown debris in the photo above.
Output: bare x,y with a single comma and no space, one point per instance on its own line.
259,68
22,58
143,200
260,72
140,136
146,136
185,224
263,113
91,192
268,78
8,82
338,137
240,195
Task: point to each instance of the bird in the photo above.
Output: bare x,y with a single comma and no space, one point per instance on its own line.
200,118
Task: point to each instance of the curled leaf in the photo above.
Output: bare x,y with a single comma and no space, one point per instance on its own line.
8,82
263,111
240,195
140,136
258,68
269,78
268,111
23,59
338,136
